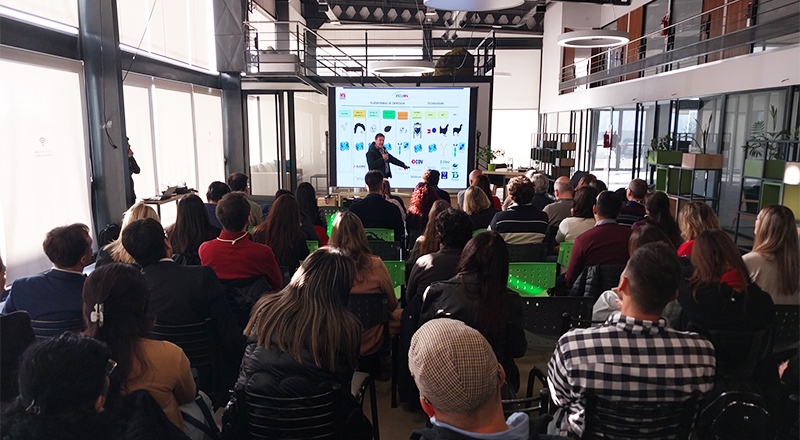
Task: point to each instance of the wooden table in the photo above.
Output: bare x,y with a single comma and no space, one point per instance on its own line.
158,203
506,176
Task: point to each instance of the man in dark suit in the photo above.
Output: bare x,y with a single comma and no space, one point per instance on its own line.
605,243
374,211
379,159
56,295
181,295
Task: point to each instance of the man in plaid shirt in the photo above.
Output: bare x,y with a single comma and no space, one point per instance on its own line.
633,356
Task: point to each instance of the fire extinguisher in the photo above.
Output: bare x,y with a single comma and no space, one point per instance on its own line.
606,140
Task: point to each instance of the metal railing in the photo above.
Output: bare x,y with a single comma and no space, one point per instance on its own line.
709,36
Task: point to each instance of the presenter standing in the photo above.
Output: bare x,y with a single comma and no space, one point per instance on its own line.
379,159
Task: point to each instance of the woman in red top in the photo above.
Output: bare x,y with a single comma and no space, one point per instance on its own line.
484,184
421,202
695,218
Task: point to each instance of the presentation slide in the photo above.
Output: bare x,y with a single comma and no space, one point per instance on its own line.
425,128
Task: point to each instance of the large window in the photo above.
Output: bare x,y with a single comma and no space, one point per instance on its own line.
60,11
179,29
44,170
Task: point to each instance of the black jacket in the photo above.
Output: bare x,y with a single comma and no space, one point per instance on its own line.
375,212
481,219
450,299
375,161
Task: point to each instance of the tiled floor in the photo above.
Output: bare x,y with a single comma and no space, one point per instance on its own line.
397,423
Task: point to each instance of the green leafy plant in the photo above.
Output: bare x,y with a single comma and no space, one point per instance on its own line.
766,143
703,143
661,144
488,155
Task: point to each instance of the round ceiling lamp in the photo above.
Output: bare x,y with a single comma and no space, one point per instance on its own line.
593,38
473,5
401,67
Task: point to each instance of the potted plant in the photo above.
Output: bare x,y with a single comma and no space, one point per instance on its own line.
486,154
661,154
702,160
764,152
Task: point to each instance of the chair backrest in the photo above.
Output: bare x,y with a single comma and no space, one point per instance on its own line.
478,231
615,420
564,252
526,252
397,272
371,309
735,415
312,245
45,330
738,353
330,212
307,417
380,234
543,315
787,327
531,279
193,339
391,251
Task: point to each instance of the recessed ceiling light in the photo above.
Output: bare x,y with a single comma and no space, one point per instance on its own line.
593,38
402,67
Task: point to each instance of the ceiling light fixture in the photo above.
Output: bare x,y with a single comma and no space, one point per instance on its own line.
593,38
473,5
401,67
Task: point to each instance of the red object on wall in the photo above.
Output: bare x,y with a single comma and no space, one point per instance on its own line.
606,140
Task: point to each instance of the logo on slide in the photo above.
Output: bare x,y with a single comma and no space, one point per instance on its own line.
417,148
416,161
344,146
455,175
402,96
388,146
455,165
359,146
443,175
405,145
461,146
342,95
431,148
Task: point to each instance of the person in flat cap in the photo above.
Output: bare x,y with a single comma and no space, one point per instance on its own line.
459,381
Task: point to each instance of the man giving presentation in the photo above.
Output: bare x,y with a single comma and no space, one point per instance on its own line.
379,159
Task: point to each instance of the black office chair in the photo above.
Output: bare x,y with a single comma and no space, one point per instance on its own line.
307,417
787,331
387,250
528,404
543,316
372,309
526,253
736,415
45,330
613,420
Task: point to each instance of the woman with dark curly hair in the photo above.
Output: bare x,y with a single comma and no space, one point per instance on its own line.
421,201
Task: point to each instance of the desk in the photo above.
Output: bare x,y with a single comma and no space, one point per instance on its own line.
158,203
505,176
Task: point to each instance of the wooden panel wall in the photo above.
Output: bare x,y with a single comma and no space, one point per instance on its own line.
635,31
714,24
735,19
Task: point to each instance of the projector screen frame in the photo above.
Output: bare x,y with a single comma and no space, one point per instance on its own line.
471,147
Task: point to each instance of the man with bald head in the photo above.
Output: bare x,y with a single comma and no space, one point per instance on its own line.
473,177
562,207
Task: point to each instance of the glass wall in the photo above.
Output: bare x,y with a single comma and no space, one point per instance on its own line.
311,122
613,165
264,145
60,11
43,143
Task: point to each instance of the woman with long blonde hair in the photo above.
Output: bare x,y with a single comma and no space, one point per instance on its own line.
114,252
774,263
371,275
479,207
695,218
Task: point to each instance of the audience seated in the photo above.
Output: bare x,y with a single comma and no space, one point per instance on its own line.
453,231
281,232
586,180
633,210
471,181
371,275
773,263
303,339
605,243
483,183
540,187
233,255
182,295
599,185
115,303
422,199
628,358
114,251
478,296
431,177
522,223
374,211
659,215
428,242
460,384
386,192
238,182
216,191
55,295
562,207
608,303
695,218
311,217
478,207
64,386
581,218
191,229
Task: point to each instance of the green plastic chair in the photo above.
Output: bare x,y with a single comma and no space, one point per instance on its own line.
564,252
312,245
381,233
531,279
330,212
477,231
397,272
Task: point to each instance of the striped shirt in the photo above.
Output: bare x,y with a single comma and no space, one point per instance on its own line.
521,224
627,360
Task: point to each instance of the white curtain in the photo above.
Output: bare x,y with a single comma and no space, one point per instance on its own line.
44,169
61,11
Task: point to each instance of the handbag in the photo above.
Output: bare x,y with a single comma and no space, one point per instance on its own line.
198,420
234,417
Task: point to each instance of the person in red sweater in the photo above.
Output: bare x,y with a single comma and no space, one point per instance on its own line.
605,243
233,255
